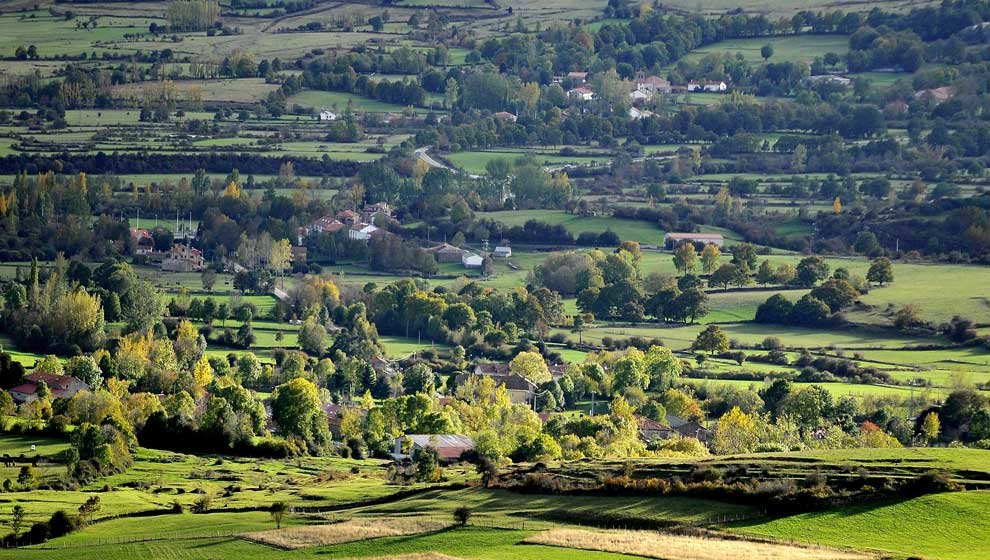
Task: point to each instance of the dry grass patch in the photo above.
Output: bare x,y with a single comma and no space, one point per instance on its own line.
416,556
345,531
679,547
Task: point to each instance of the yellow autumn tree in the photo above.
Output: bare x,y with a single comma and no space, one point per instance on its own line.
203,372
232,190
837,206
735,433
420,170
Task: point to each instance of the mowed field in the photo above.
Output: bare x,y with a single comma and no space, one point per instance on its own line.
802,48
634,230
939,526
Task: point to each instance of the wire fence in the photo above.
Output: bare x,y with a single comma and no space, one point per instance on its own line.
479,521
89,543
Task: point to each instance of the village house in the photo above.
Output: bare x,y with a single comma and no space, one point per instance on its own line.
671,240
505,116
581,94
144,243
652,84
578,77
449,447
688,428
349,217
328,116
637,114
375,211
183,258
651,430
447,253
673,427
61,386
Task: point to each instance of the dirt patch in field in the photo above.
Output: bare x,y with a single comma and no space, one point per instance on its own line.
346,531
652,544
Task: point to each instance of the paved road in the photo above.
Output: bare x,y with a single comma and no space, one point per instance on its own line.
421,154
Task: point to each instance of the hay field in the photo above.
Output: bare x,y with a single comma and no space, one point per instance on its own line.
652,544
346,531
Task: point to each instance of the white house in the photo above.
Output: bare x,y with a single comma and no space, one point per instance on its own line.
581,94
636,114
502,252
670,240
362,232
829,79
471,260
328,116
639,95
714,87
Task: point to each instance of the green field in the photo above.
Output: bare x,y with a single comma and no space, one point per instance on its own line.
475,161
633,230
940,526
336,100
800,48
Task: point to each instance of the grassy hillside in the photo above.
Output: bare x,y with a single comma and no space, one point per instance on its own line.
940,526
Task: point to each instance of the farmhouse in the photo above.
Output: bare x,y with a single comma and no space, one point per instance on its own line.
688,428
713,87
505,116
670,240
450,447
502,252
471,260
183,258
447,253
651,430
61,386
326,224
328,116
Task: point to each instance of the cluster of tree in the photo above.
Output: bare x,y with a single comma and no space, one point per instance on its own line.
192,15
67,312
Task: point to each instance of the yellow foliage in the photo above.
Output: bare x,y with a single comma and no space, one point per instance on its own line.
203,372
232,190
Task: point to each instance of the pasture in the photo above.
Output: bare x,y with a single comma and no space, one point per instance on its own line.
799,48
943,526
474,162
634,230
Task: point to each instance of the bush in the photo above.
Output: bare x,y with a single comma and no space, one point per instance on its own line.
462,514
